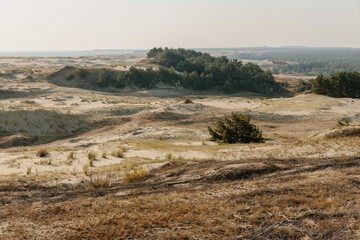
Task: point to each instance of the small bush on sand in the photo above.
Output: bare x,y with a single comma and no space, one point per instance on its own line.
118,153
188,100
91,156
341,124
236,129
42,152
135,174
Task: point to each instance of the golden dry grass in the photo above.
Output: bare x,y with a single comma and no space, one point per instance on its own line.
301,200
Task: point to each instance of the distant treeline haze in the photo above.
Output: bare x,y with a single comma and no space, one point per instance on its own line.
306,60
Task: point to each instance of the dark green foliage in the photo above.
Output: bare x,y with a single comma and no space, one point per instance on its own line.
200,71
70,77
83,73
150,78
104,78
191,70
341,84
304,86
153,52
120,81
236,129
343,124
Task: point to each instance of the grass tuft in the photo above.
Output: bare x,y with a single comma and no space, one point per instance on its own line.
118,153
71,156
99,182
135,174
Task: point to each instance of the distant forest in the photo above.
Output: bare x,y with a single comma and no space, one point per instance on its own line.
304,60
316,68
199,71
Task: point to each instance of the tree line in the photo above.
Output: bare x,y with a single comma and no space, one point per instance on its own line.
200,71
316,68
340,84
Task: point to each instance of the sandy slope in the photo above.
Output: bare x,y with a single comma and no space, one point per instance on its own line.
155,125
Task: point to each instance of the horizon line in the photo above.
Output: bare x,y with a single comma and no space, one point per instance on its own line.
144,49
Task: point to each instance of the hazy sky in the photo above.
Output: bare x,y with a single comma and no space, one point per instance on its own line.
142,24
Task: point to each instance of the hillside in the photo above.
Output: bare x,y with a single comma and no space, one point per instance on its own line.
177,68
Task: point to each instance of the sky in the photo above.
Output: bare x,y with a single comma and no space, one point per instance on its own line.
29,25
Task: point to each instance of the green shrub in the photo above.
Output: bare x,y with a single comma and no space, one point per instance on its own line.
343,124
236,129
70,77
104,78
83,72
120,81
340,84
304,86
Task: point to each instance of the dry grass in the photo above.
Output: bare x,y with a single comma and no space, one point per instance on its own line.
135,174
344,132
85,169
44,162
71,156
169,157
97,182
118,153
91,157
317,204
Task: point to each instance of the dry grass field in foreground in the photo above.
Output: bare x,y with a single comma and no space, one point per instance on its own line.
85,164
208,199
